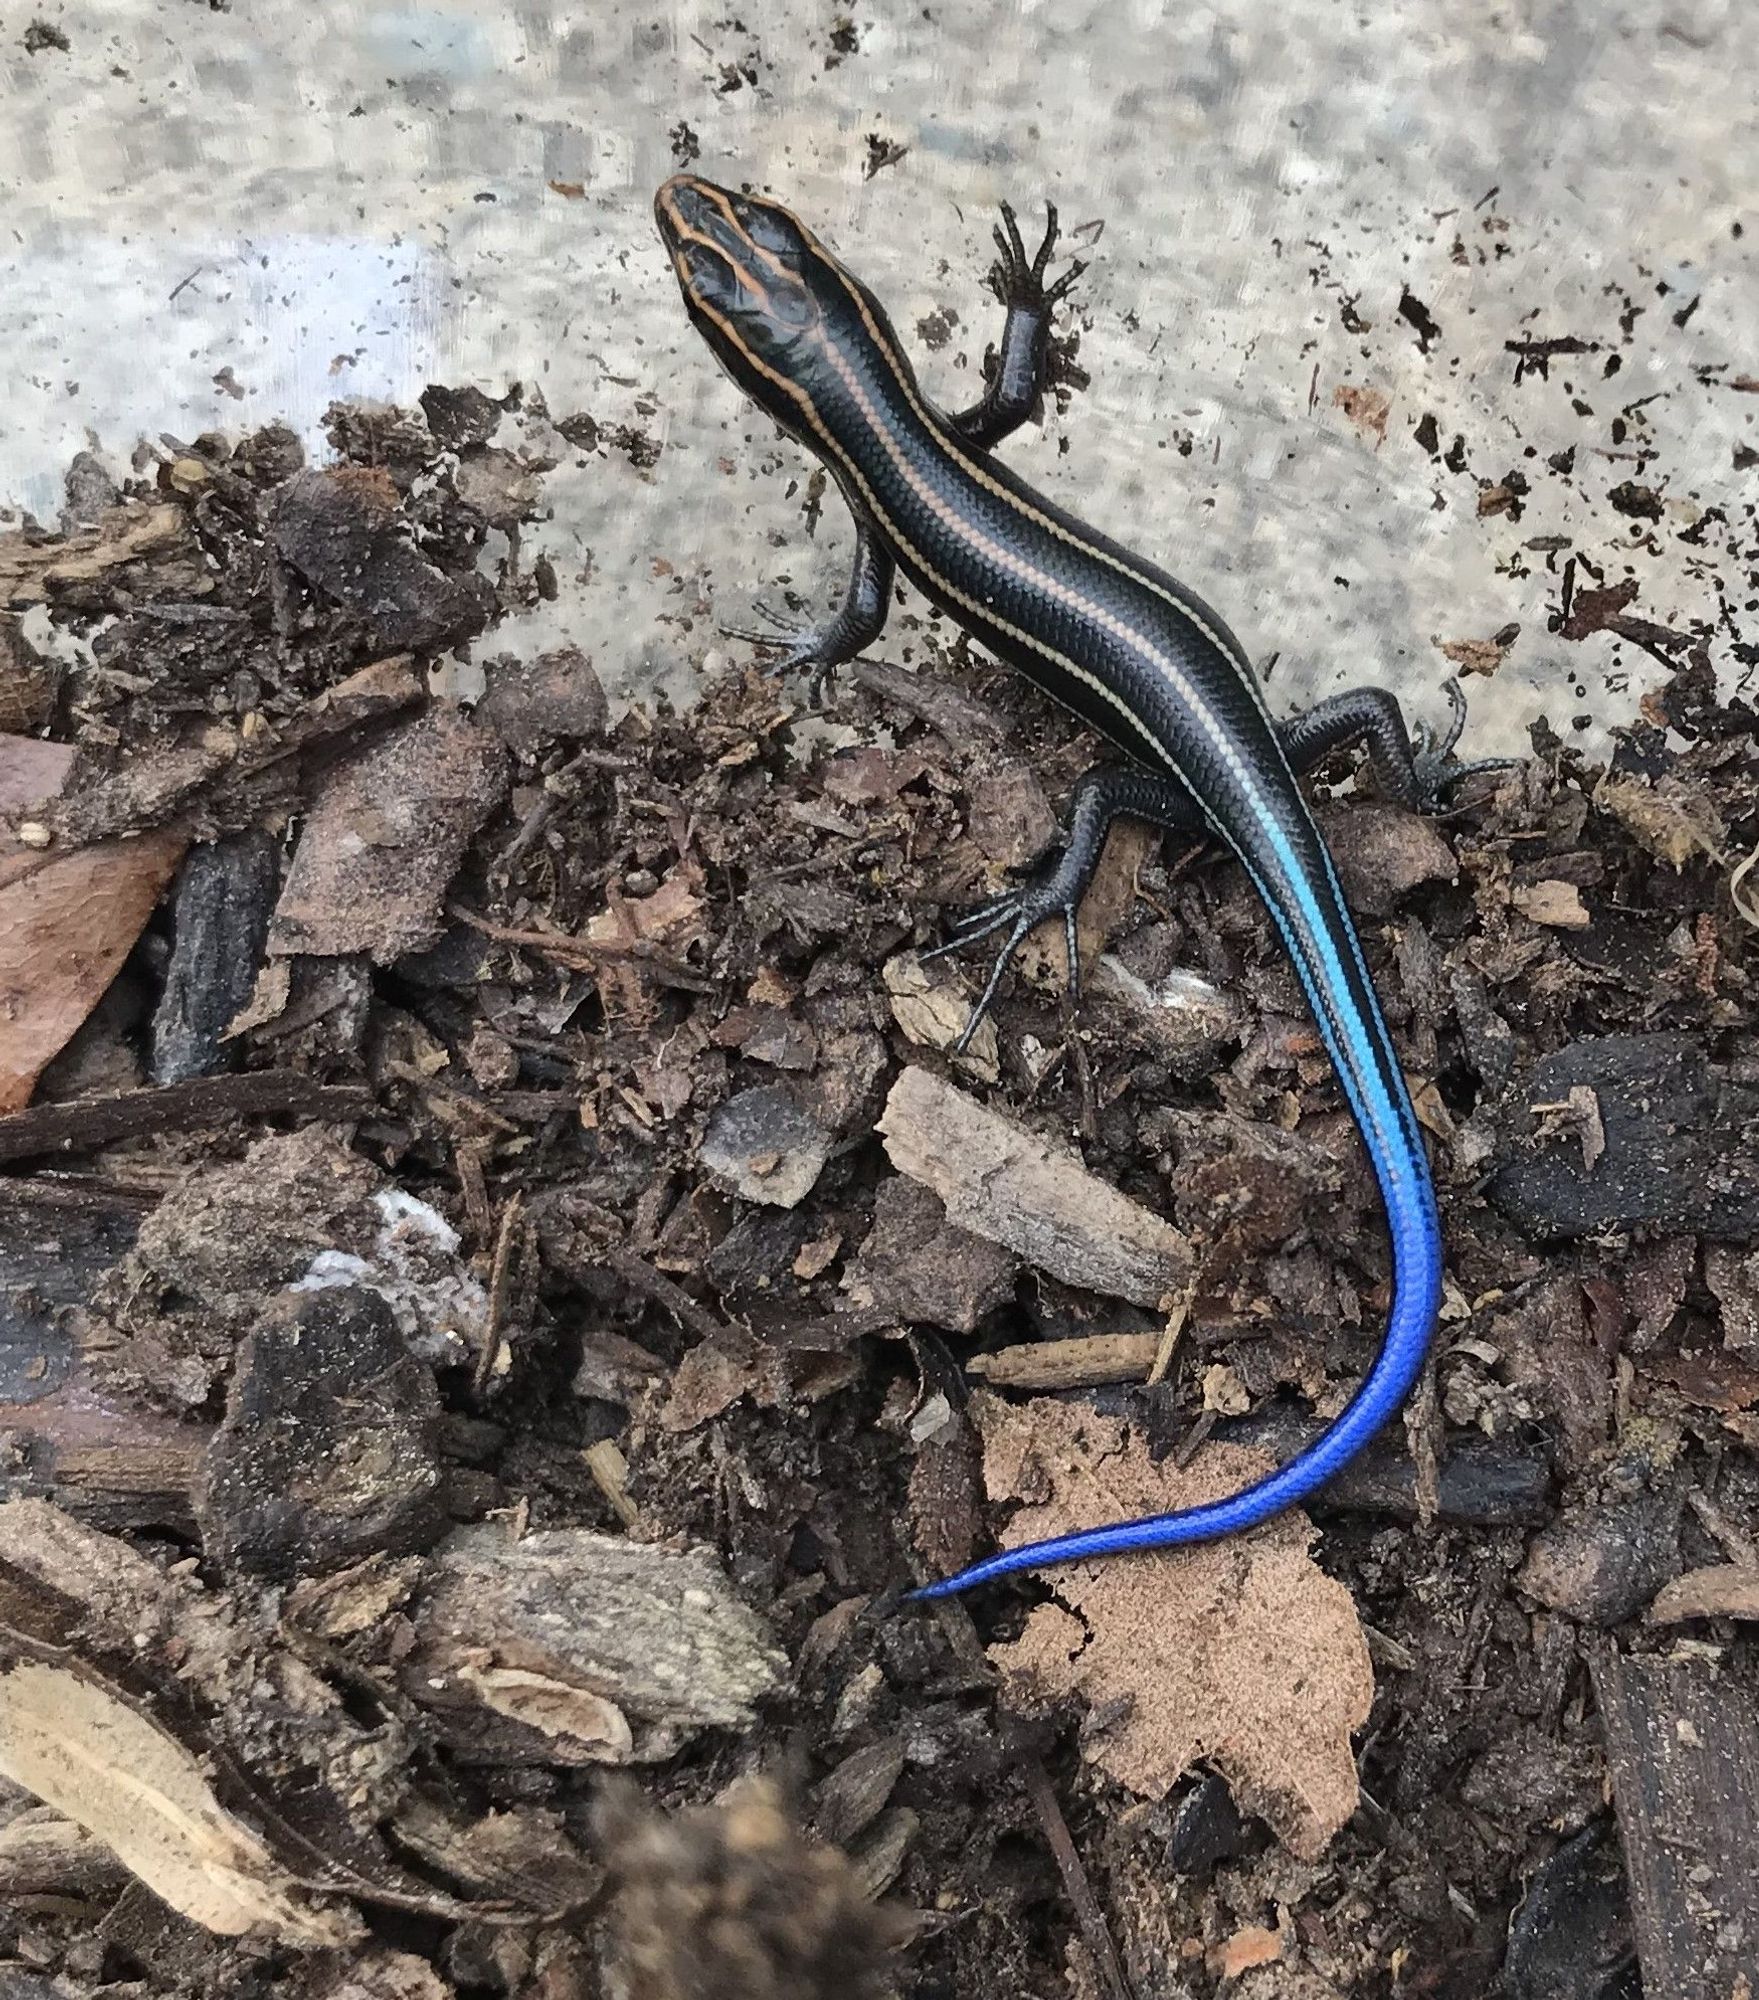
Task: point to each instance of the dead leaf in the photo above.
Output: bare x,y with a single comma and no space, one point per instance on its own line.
706,1381
1578,1112
1240,1652
1224,1392
716,1373
670,917
1473,656
1712,1381
525,1856
268,998
1368,409
870,776
83,1750
1247,1948
816,1257
67,920
1671,819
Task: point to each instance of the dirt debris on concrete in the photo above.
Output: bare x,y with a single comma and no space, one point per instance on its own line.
491,1292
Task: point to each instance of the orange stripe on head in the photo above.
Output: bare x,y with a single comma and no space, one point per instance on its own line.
720,199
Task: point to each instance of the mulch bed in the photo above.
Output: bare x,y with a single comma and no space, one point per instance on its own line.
502,1285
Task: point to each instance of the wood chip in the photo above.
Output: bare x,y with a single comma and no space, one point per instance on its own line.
1674,819
84,1750
1558,904
1003,1182
31,569
1090,1363
767,1144
934,1015
383,838
1725,1590
608,1651
42,1854
67,920
201,1104
1683,1746
329,1452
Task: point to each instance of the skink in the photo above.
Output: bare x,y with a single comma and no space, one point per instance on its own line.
1136,655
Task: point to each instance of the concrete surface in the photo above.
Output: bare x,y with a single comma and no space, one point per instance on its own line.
212,218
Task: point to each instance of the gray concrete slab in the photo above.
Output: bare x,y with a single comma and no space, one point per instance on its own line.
1315,230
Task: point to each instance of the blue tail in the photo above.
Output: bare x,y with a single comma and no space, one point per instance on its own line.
1293,873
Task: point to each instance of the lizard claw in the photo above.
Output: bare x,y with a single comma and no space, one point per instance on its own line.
1432,755
1055,888
1018,281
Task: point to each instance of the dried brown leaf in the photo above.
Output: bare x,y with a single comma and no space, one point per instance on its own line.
708,1380
671,915
1243,1652
670,918
1367,409
1558,904
1247,1949
1473,656
67,921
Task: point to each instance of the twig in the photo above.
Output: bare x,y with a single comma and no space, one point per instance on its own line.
610,1474
1178,1312
500,1271
640,1276
90,1122
581,954
1088,1915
